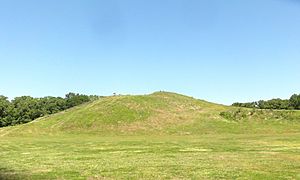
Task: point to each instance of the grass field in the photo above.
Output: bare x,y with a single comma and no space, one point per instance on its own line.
158,136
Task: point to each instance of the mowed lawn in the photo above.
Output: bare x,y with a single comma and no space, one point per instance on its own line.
221,156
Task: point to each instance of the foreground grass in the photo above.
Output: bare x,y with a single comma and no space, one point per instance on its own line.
149,157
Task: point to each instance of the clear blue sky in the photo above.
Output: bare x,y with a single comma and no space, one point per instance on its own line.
219,50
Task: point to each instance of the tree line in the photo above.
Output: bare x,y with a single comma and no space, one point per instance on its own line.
24,109
289,104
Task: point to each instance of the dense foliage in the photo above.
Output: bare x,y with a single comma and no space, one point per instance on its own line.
25,109
292,104
242,114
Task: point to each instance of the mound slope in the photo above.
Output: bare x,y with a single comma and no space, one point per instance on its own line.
157,113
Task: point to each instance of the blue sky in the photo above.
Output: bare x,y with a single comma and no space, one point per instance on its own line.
221,51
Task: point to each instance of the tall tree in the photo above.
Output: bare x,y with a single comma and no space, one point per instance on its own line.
295,101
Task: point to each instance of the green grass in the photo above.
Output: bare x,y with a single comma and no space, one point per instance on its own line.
158,136
144,157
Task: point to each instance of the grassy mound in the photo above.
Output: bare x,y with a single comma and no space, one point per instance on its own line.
121,114
158,113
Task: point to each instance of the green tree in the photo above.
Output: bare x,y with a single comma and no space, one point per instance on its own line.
295,101
25,108
76,99
5,111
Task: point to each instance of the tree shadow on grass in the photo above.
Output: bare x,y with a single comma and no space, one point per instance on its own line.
8,174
